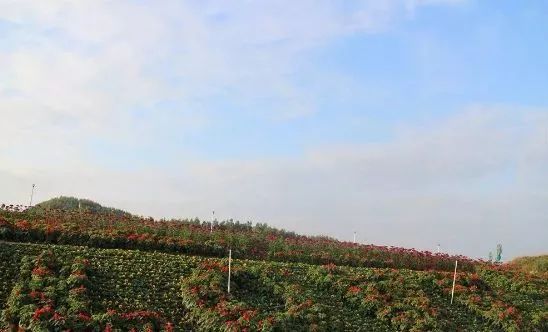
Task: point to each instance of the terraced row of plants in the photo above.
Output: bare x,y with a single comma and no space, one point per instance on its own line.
298,297
127,289
193,237
122,290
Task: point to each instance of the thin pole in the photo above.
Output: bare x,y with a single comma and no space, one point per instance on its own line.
32,194
211,225
229,267
454,280
354,237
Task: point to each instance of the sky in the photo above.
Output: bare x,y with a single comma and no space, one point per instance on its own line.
409,122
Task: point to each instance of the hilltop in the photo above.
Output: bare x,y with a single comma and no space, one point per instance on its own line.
531,264
65,203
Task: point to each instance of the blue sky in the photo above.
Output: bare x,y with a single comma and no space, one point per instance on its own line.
398,119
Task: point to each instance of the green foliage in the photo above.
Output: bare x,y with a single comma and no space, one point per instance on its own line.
532,264
195,238
110,290
145,290
75,204
281,296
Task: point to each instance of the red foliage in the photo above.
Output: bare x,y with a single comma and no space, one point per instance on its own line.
41,312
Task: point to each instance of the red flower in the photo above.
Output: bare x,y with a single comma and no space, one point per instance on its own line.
44,311
169,327
84,316
41,271
511,311
354,289
248,314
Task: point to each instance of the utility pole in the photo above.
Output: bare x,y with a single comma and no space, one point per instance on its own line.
31,194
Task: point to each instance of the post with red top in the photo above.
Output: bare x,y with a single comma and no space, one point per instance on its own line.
229,267
454,280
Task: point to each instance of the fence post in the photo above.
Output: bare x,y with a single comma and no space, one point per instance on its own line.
229,267
454,280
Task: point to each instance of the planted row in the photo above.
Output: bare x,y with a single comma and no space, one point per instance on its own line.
54,296
297,297
127,289
195,238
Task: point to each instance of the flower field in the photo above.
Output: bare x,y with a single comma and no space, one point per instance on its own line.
192,237
117,291
70,271
294,297
80,288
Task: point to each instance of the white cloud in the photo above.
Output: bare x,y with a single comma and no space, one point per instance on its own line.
89,57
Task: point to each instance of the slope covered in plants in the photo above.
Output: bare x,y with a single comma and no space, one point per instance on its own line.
531,264
81,270
259,242
109,289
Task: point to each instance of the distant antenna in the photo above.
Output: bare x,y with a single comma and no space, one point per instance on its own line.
32,194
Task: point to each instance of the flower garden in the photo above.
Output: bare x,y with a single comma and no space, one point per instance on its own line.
195,238
133,274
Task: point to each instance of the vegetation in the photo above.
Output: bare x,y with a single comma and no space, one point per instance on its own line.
119,290
193,237
531,264
133,274
76,204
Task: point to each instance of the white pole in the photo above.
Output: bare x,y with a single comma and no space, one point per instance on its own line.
438,248
454,280
229,267
211,225
31,194
354,237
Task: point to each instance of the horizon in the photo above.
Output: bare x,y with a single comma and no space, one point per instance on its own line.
409,122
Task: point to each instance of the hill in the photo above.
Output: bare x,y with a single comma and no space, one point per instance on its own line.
76,204
106,271
531,264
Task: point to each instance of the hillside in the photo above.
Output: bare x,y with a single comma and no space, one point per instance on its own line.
172,276
531,264
193,237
